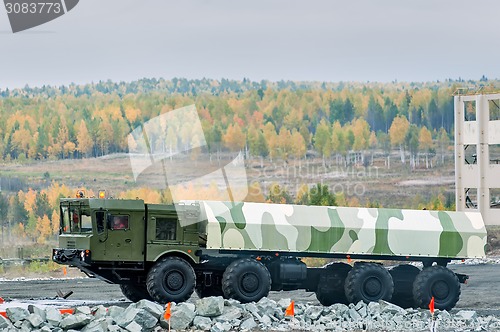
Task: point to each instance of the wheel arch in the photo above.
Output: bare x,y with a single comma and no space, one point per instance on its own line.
175,253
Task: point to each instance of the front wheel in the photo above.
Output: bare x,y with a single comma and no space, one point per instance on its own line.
438,282
171,279
246,280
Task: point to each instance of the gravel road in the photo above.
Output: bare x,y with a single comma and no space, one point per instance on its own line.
482,293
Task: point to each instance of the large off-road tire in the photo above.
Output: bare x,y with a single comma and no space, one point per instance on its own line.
246,280
331,284
368,282
135,292
403,277
171,279
437,281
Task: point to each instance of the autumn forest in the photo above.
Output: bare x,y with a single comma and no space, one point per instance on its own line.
405,125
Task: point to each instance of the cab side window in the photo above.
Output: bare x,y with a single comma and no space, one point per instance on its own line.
166,229
119,222
99,216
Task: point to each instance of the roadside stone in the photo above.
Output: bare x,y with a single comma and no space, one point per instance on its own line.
265,320
313,312
248,324
97,325
17,314
99,311
466,314
202,323
210,306
362,312
53,316
114,328
83,310
339,308
229,314
390,308
266,306
251,307
35,320
37,310
353,314
221,327
5,323
133,327
154,309
181,318
115,311
126,317
26,326
284,303
145,319
74,321
233,303
359,305
444,315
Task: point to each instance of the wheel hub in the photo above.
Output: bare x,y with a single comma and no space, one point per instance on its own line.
440,290
249,282
372,287
174,280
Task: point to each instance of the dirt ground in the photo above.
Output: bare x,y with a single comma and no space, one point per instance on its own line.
482,292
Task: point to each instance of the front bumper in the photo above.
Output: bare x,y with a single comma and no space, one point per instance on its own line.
75,257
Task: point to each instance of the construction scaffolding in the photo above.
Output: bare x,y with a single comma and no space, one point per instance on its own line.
477,154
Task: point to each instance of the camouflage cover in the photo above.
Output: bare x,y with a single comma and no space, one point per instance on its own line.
347,230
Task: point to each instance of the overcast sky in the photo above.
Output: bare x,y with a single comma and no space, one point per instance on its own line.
329,40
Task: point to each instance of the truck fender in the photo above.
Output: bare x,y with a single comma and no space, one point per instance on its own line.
176,253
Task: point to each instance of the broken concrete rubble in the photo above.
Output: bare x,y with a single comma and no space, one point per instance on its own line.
219,315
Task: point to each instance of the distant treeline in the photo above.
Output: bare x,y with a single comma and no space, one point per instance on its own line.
268,119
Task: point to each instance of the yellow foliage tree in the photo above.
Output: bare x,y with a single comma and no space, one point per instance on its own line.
234,138
397,133
43,228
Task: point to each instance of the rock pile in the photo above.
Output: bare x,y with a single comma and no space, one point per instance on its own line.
218,315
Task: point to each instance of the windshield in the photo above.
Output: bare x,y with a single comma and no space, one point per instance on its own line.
75,220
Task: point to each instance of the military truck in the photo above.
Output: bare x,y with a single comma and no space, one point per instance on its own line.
244,250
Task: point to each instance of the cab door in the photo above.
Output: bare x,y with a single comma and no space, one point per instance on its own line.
124,238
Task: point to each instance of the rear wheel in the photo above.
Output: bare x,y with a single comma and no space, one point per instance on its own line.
331,284
403,277
438,282
171,279
135,292
368,282
246,280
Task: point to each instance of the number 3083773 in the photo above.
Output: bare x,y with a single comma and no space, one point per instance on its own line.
33,7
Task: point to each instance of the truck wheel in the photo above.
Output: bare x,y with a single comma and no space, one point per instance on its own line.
331,284
403,277
171,279
246,280
368,282
135,292
439,282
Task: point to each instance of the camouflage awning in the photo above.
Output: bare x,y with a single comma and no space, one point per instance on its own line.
343,230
